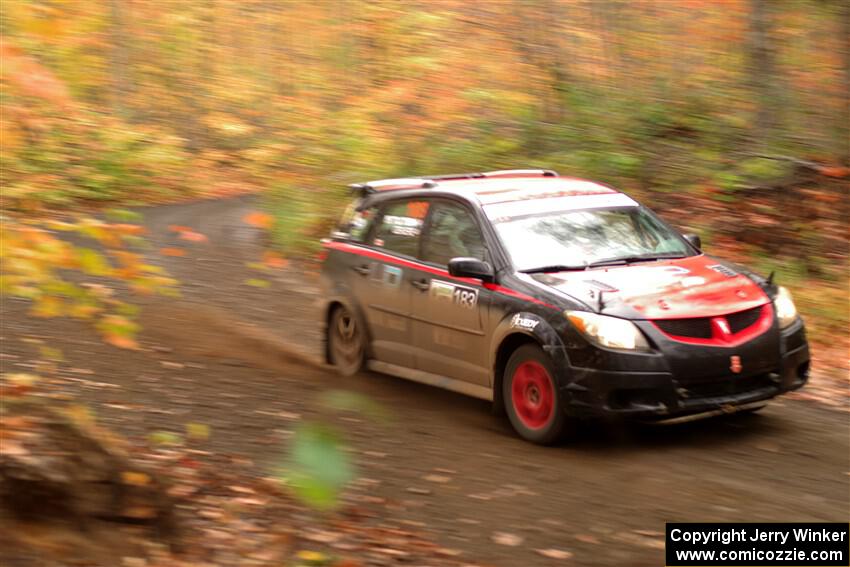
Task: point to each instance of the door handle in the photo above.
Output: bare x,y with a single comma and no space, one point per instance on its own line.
362,270
421,285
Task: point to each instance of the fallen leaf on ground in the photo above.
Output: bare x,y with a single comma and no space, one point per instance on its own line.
172,251
311,556
140,512
649,533
12,448
198,431
274,260
121,341
437,478
135,478
504,538
554,553
192,236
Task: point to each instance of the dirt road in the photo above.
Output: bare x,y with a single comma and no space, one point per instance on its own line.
443,462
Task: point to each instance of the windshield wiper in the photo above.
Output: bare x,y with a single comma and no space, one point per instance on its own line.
554,268
636,258
620,261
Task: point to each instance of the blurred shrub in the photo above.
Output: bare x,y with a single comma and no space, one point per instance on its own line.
763,170
87,157
57,151
61,278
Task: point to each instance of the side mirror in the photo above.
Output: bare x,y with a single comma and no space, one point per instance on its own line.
471,268
694,240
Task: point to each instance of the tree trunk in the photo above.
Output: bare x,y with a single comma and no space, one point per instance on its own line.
844,93
762,71
119,57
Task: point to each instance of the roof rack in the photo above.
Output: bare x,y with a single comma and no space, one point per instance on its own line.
431,181
521,173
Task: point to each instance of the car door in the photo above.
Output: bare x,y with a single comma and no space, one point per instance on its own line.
383,279
449,313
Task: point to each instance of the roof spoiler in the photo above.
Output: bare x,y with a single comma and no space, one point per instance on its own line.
431,181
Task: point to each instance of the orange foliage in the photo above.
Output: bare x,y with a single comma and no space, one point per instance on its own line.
172,251
259,220
274,260
31,77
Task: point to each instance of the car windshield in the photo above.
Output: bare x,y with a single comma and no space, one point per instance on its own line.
576,240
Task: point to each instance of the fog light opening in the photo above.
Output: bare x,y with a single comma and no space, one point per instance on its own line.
803,371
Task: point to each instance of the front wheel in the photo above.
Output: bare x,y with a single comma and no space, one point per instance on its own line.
346,342
531,396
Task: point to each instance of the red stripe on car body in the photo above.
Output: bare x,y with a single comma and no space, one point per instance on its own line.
383,257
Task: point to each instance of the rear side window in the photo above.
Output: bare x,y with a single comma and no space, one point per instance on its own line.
399,229
453,233
355,223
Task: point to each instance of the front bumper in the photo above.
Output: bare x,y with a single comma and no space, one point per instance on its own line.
663,390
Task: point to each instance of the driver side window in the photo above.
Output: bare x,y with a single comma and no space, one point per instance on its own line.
452,233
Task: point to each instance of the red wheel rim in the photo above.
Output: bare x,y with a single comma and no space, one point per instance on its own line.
533,394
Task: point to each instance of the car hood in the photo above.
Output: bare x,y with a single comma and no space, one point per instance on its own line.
696,286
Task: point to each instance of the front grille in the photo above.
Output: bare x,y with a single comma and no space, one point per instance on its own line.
743,319
729,386
700,327
697,328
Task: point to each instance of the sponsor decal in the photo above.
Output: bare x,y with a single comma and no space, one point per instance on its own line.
735,364
403,226
392,276
461,296
465,297
725,270
518,321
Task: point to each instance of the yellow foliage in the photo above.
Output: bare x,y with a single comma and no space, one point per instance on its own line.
34,257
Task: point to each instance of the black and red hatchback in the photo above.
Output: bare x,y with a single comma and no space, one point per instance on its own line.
555,298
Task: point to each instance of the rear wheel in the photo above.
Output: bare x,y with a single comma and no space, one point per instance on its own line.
531,396
346,342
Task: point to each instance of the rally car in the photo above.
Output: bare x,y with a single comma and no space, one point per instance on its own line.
555,298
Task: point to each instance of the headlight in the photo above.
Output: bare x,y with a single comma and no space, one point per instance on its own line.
786,311
610,332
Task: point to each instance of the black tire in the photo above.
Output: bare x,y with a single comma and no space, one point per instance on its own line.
346,341
533,407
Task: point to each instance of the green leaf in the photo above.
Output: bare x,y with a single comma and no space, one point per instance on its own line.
254,282
52,354
123,215
164,438
320,467
93,262
197,431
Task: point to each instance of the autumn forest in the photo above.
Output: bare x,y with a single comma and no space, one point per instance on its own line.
168,168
